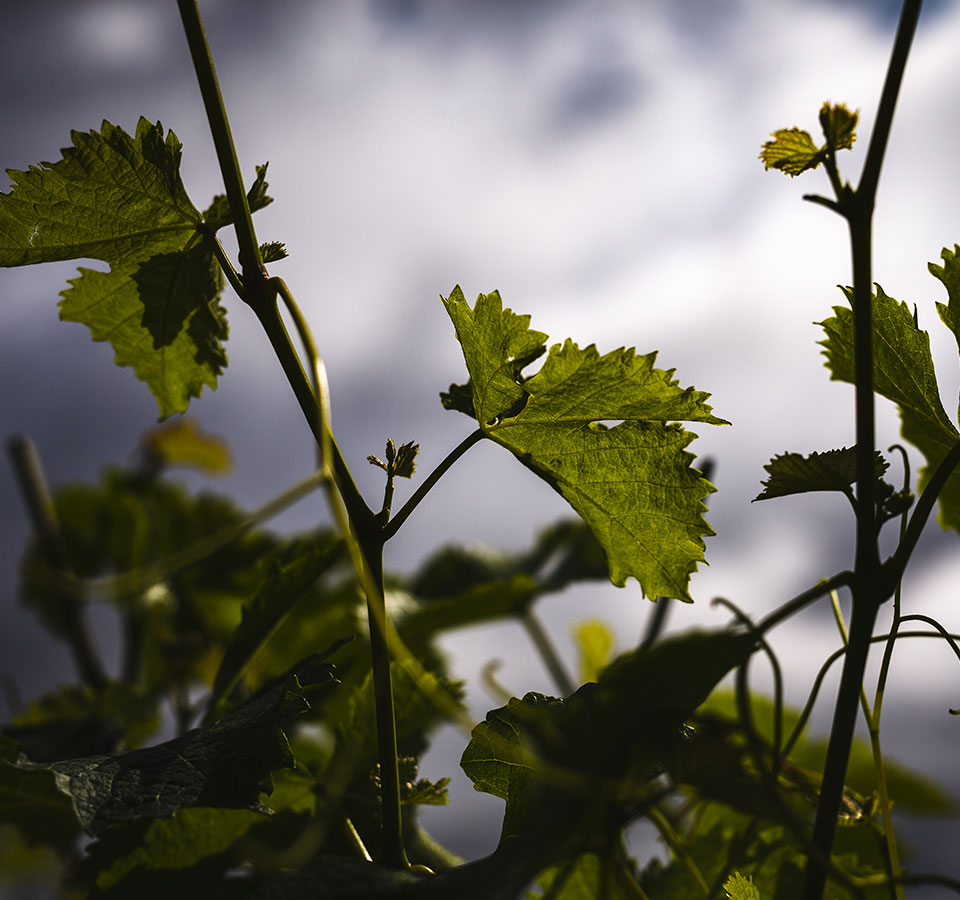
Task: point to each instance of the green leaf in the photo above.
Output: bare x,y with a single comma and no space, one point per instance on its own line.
619,728
221,765
286,579
832,470
949,275
583,878
120,199
30,800
792,151
76,721
273,251
503,758
181,443
740,887
839,126
495,599
632,483
179,842
36,869
903,373
218,214
594,640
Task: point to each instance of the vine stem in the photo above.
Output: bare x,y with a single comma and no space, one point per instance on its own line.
872,718
361,531
868,588
548,653
391,528
213,104
36,496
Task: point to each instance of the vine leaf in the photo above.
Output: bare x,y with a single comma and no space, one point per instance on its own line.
839,126
287,577
903,373
120,199
624,725
740,887
223,765
179,842
793,151
949,275
632,483
586,877
181,443
30,800
832,470
594,640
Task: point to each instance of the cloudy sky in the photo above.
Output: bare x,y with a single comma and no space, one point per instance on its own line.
597,164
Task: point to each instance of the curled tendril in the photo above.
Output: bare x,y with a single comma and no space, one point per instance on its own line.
917,617
775,668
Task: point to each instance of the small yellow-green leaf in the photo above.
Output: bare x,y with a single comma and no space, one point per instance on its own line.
792,151
839,126
181,443
740,887
594,641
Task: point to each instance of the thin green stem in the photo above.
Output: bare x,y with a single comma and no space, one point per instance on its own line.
898,562
783,612
679,848
137,580
392,852
365,545
888,100
233,277
548,653
28,471
250,259
656,622
391,528
775,669
825,668
869,588
873,726
838,749
269,316
321,388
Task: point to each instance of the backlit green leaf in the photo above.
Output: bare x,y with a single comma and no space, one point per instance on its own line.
218,214
181,443
120,199
792,151
594,640
839,126
633,483
832,470
740,887
903,373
